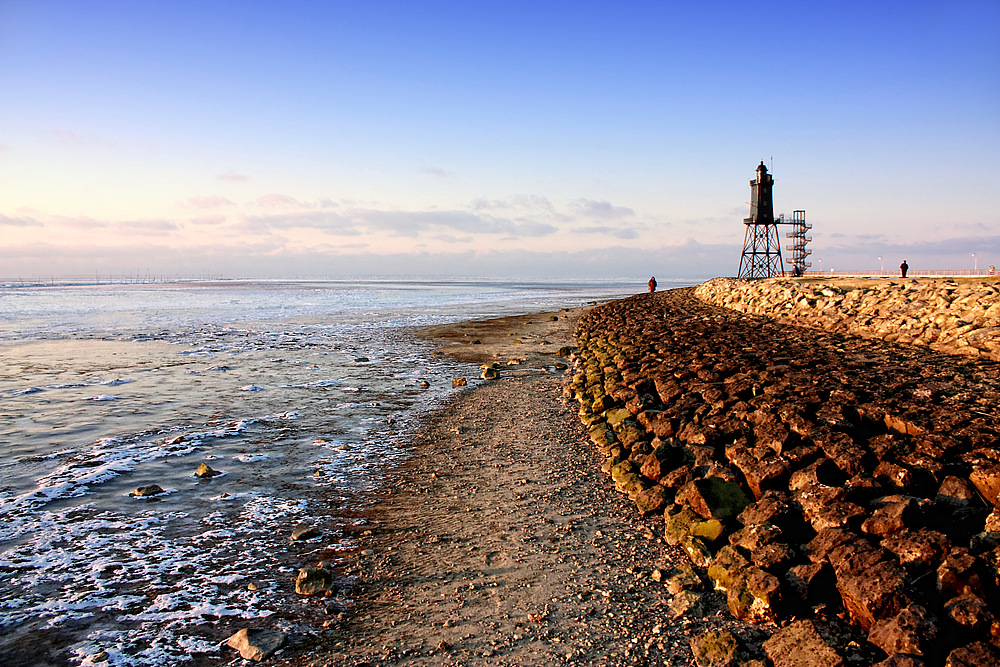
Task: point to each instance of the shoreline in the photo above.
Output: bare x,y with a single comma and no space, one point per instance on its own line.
464,505
502,542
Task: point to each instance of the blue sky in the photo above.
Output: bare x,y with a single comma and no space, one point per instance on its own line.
546,139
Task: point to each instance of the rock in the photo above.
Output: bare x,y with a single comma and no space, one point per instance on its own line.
697,551
811,583
918,550
257,644
714,498
361,360
715,648
890,518
755,596
957,573
314,581
686,603
651,500
976,654
459,382
901,660
564,351
910,631
146,491
683,578
303,531
489,374
799,644
968,613
956,492
205,470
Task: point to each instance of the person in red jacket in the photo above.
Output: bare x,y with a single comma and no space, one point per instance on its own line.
652,284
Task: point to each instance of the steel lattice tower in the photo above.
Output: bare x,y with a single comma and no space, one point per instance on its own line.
761,245
799,241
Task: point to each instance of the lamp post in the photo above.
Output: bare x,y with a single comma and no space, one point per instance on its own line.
881,267
975,263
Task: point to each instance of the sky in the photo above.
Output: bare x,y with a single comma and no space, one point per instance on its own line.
508,139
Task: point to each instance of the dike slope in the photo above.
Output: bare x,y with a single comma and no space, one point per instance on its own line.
947,315
848,483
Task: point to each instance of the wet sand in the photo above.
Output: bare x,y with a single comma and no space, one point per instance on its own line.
503,543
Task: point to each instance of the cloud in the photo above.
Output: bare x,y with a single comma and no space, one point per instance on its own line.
147,227
208,220
19,222
276,200
436,171
329,222
620,233
410,223
68,137
232,177
208,201
515,202
601,209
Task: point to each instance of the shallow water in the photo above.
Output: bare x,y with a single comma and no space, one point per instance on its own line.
301,394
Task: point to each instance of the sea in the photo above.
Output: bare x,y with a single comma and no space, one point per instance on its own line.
302,395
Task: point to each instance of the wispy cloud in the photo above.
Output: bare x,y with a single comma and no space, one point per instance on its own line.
601,209
19,222
208,201
147,227
233,177
616,232
208,220
436,171
276,200
68,137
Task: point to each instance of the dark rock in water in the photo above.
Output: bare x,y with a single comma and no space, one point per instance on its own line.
304,531
799,644
206,471
361,360
564,351
146,491
425,384
459,382
313,581
489,374
257,644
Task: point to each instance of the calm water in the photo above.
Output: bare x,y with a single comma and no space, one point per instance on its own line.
301,394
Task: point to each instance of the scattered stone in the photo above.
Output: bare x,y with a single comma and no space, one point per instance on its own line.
304,531
314,581
147,491
459,382
257,644
205,470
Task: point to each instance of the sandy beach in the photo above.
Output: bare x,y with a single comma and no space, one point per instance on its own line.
503,543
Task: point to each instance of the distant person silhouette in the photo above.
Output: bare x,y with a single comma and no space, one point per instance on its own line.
652,284
904,267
